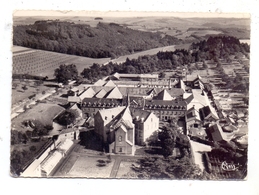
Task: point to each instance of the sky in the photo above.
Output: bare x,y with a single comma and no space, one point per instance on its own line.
129,14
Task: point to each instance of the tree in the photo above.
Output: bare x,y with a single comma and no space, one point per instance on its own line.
33,148
167,139
161,75
68,117
158,168
65,73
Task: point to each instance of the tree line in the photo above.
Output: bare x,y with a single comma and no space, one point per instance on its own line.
104,40
214,48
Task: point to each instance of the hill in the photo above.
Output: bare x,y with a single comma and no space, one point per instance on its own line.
104,40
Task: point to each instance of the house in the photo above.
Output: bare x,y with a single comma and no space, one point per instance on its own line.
115,128
192,118
215,133
146,123
208,114
70,133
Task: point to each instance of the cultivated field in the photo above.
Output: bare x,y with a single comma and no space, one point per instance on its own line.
43,63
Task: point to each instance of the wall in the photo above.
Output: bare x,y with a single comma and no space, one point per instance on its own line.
150,125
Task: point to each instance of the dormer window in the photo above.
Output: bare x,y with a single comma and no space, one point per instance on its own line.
105,117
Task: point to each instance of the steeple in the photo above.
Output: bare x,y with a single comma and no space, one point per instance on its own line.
128,99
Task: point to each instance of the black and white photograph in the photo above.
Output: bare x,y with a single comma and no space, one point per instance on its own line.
124,95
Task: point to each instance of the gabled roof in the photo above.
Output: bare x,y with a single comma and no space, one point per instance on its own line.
88,93
109,114
208,111
114,93
199,99
100,82
152,91
192,113
100,94
163,95
215,132
140,114
110,83
123,118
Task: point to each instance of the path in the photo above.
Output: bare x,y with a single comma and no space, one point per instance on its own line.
115,167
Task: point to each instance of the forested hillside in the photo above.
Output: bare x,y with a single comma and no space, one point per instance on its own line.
104,40
214,48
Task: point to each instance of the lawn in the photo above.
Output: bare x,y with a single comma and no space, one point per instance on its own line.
41,112
18,94
86,166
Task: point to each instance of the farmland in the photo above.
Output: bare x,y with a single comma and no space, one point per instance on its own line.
43,63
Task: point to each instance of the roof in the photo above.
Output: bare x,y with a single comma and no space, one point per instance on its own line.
100,82
124,118
101,93
109,114
215,132
163,95
208,111
162,104
119,75
114,93
140,114
74,89
88,93
51,161
110,83
73,99
229,128
192,113
199,99
101,102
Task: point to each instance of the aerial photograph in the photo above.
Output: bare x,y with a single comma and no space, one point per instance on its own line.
130,95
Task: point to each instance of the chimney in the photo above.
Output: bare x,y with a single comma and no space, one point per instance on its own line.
169,84
142,120
137,118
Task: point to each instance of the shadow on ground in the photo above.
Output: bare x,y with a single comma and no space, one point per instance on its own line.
91,141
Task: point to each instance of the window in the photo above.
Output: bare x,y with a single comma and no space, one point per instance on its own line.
195,125
120,150
120,138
